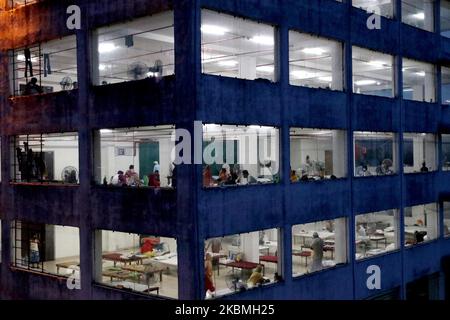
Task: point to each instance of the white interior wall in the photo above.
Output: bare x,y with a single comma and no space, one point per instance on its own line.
67,242
117,241
65,154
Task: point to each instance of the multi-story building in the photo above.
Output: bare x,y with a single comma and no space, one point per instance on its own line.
345,113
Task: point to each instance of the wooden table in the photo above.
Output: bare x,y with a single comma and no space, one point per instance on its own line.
119,257
70,265
145,269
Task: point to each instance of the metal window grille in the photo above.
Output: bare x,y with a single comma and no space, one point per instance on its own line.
23,235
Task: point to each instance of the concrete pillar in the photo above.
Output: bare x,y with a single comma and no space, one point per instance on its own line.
339,154
432,222
430,154
418,93
429,86
428,6
98,246
340,240
250,246
336,67
97,157
397,228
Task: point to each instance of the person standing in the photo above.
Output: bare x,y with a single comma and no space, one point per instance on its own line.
317,248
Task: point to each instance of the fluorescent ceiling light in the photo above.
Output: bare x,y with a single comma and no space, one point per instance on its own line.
264,40
228,63
300,74
376,63
420,73
326,79
268,69
315,51
106,47
366,82
103,131
214,30
419,16
408,90
21,57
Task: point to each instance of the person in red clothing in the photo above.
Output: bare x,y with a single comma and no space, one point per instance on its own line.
153,179
209,285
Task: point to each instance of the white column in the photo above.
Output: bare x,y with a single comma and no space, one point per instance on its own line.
418,152
430,90
418,93
432,223
429,14
339,154
247,68
430,151
250,246
340,240
336,67
98,256
397,228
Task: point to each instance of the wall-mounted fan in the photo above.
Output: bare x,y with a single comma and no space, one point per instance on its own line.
69,175
66,83
138,70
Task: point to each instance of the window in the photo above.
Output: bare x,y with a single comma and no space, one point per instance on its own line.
136,157
421,223
240,262
445,18
445,85
19,3
45,158
45,67
318,245
446,152
418,13
315,62
317,154
137,262
384,8
372,72
46,248
375,153
240,155
236,47
446,219
134,50
376,233
419,152
418,81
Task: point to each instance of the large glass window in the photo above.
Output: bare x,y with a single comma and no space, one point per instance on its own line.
375,153
46,248
445,18
315,62
138,262
445,85
45,158
421,223
376,233
317,154
44,68
236,47
446,210
134,50
384,8
135,157
372,72
419,81
419,152
240,155
318,245
241,262
418,13
446,152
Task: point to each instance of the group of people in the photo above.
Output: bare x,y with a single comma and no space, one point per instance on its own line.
131,177
227,176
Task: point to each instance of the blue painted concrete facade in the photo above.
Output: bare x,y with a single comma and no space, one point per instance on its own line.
192,214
